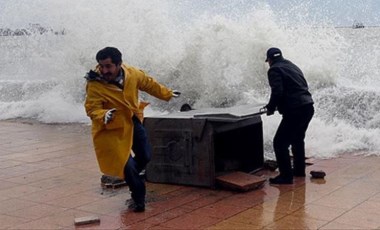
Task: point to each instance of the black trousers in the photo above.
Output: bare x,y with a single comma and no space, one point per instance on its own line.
291,132
134,165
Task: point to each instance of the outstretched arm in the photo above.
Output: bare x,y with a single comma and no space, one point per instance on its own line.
151,86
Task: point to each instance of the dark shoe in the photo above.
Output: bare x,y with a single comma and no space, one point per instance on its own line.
134,206
139,208
299,174
271,165
281,180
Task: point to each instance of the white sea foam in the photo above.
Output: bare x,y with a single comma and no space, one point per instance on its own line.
215,56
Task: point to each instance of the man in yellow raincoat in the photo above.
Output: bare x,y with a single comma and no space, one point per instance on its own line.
113,105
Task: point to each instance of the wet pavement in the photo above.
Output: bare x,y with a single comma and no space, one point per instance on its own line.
49,176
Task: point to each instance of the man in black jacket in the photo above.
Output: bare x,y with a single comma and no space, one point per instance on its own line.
291,97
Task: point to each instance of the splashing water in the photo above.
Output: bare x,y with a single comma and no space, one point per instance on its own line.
213,55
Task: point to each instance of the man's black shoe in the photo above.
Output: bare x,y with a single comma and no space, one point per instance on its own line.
134,206
299,174
281,180
139,208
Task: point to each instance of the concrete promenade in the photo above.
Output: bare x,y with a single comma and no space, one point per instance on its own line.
49,176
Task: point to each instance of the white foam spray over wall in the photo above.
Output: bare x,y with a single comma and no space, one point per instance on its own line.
214,55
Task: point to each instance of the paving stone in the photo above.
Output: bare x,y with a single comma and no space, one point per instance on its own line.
86,220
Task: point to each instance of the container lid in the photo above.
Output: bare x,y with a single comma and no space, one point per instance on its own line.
218,114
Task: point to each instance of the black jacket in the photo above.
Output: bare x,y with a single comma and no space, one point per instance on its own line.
289,89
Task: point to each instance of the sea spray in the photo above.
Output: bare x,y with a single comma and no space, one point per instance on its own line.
214,56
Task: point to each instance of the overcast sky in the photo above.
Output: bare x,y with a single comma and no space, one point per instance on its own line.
336,12
340,12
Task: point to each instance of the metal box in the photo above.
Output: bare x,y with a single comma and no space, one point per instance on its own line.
194,147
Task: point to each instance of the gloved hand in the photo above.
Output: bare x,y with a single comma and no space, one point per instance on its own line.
108,116
270,112
176,93
265,110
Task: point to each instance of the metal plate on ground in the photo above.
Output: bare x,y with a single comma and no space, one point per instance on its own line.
240,181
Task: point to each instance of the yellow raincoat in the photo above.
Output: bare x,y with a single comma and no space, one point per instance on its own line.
113,141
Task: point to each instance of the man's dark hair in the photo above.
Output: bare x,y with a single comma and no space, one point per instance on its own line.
109,52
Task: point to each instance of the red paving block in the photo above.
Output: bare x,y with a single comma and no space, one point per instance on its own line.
9,221
160,189
166,216
245,200
196,198
178,201
219,210
129,217
140,225
191,221
202,202
158,227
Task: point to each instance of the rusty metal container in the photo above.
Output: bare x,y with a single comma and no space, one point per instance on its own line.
196,146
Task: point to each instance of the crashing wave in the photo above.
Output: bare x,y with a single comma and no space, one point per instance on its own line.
31,30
